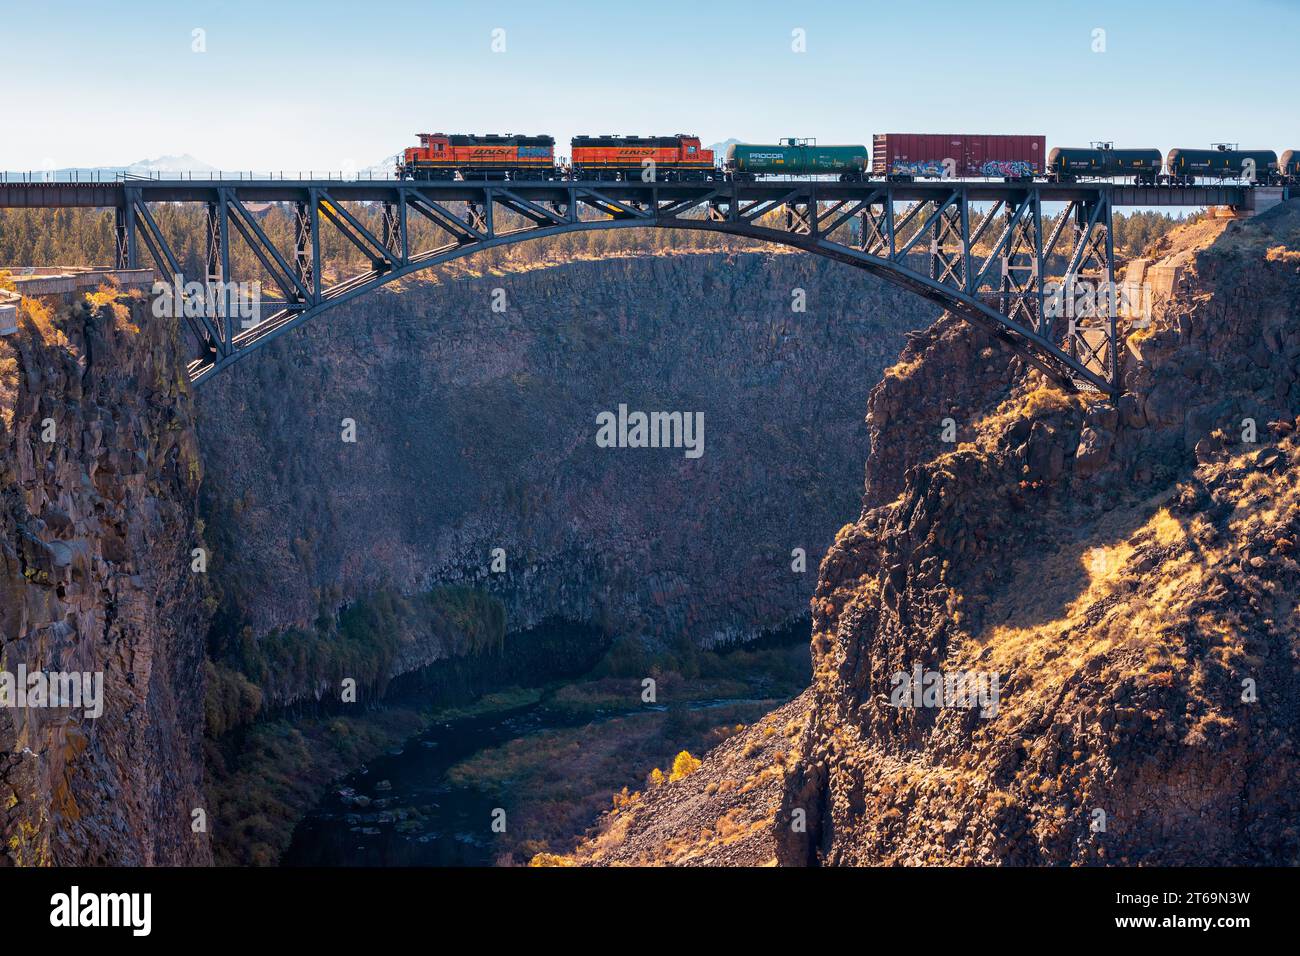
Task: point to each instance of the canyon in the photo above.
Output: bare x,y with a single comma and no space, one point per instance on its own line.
477,431
475,436
1125,569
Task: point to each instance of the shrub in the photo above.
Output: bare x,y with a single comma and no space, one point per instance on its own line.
684,765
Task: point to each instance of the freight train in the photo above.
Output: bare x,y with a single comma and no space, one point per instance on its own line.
892,157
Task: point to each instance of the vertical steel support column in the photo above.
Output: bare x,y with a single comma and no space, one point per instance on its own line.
403,225
1111,331
216,305
1080,232
391,232
302,242
1039,294
223,236
799,218
1007,258
948,248
936,249
891,245
120,241
479,215
317,283
212,244
965,239
126,226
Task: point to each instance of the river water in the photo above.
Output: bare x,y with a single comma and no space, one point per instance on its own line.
401,809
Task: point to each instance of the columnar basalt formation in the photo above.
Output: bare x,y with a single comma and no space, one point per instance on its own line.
99,476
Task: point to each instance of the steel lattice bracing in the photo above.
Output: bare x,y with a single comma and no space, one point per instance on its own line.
985,251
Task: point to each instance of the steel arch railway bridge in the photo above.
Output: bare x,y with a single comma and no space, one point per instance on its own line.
982,250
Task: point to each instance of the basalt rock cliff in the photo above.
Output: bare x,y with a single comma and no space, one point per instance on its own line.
1127,570
99,477
475,400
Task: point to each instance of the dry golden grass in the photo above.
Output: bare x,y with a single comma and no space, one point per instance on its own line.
8,383
903,370
109,298
39,313
1089,589
1043,399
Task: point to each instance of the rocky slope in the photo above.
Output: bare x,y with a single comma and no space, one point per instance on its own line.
97,525
476,427
1126,571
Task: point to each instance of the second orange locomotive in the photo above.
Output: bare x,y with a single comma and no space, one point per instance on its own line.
657,158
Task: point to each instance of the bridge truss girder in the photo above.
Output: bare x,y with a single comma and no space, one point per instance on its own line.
984,252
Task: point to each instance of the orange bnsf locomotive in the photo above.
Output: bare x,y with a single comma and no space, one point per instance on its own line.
490,156
657,158
495,156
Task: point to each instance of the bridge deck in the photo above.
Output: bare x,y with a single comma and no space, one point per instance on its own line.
113,195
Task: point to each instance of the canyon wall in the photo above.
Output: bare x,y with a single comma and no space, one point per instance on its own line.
475,430
475,399
99,477
1127,571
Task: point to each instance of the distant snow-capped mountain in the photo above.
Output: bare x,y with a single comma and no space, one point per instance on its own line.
183,163
720,149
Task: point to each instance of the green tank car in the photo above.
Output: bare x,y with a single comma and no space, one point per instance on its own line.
796,157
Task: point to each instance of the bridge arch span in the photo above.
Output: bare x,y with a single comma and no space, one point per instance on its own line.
985,251
1026,344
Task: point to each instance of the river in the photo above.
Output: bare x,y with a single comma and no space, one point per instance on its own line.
402,810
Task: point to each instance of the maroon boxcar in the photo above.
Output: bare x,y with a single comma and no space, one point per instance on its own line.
961,155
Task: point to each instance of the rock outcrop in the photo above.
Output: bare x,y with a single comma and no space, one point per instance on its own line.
1127,573
99,476
475,403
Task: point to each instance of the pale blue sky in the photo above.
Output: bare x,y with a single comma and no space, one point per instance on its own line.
290,85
